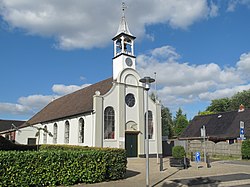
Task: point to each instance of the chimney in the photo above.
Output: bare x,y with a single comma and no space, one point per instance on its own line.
241,108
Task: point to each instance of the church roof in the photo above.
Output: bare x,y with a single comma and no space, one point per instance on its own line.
221,126
78,102
6,125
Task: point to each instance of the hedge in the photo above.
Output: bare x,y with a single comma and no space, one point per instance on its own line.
245,149
8,145
61,167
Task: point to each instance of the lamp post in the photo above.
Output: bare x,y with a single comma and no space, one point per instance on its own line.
147,81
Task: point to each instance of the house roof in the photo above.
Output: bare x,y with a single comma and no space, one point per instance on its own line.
6,125
78,102
221,126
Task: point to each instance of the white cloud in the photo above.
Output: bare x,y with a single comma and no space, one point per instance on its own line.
180,83
232,4
63,89
227,92
16,109
243,64
88,24
33,103
36,102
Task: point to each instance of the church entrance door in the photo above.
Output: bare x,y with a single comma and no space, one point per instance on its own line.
131,144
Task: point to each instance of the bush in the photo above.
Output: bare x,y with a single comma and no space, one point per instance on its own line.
245,149
61,167
7,145
178,152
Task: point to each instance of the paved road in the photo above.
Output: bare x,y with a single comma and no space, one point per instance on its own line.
221,173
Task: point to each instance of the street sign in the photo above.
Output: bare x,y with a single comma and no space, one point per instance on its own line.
242,130
197,157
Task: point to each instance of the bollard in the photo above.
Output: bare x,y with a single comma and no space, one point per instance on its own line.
192,156
161,163
185,162
208,162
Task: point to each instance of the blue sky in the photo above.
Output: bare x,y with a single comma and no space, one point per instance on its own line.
199,49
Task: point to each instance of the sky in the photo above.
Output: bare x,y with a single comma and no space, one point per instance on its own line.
199,49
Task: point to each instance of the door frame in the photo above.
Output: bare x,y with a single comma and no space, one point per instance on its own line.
133,133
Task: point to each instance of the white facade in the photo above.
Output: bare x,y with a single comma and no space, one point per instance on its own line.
118,116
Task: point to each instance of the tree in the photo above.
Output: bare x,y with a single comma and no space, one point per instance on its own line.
230,104
166,118
180,122
205,113
219,105
167,122
240,98
180,125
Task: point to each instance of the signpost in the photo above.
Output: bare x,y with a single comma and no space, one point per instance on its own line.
242,130
203,134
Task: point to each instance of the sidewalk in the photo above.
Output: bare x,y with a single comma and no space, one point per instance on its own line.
220,174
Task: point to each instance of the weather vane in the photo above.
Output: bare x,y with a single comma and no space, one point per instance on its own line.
123,9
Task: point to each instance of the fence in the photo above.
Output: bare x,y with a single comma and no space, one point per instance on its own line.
220,148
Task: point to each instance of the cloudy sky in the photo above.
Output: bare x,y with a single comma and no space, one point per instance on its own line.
199,49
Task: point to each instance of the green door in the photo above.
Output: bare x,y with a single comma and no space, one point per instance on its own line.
131,145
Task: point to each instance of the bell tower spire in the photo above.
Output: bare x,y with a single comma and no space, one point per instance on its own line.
123,47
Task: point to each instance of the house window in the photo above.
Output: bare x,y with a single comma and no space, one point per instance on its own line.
31,141
45,134
55,134
66,134
109,123
81,130
150,125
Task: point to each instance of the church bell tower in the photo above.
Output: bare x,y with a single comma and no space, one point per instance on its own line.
123,47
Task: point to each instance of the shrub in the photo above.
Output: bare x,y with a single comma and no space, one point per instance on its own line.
61,167
178,152
7,145
245,149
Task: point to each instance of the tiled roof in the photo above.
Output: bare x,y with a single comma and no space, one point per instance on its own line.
6,125
221,126
78,102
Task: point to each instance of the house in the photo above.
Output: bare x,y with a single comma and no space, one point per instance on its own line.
226,126
8,128
109,113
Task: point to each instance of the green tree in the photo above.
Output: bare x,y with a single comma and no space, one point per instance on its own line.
230,104
180,122
240,98
219,105
205,113
167,122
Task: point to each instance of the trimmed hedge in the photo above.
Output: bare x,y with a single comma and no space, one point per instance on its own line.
61,167
245,149
178,152
7,145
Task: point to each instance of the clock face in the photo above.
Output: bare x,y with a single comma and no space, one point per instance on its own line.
129,62
130,100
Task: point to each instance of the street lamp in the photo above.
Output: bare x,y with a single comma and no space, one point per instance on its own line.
147,81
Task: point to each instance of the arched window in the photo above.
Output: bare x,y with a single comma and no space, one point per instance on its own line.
81,130
150,125
55,134
66,134
45,134
118,46
109,123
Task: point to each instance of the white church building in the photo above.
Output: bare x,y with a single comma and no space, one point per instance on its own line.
109,113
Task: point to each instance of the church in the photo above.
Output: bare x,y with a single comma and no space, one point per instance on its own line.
109,113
